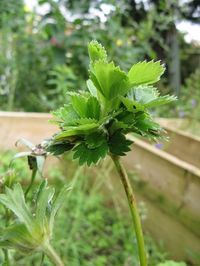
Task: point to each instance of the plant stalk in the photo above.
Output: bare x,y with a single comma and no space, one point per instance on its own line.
133,208
53,256
33,175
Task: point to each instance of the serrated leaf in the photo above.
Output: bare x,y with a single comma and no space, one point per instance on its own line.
109,80
76,131
84,121
88,155
131,105
160,101
118,144
95,140
65,115
145,73
93,108
145,94
96,51
79,103
86,107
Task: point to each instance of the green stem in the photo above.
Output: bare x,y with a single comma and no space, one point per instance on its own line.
34,172
133,208
6,255
53,256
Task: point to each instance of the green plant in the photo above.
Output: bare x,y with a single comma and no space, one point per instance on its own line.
94,123
172,263
32,231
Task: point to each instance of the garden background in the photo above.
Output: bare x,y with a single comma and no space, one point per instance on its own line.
43,54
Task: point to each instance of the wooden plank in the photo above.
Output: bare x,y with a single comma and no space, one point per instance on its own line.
168,180
175,238
32,126
181,143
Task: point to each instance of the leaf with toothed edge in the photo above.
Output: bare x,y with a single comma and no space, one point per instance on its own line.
145,73
118,144
88,155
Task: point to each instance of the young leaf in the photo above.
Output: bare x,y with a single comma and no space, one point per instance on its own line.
109,80
93,108
145,73
96,51
79,103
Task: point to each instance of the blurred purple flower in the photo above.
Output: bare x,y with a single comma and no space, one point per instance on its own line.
181,114
193,102
159,145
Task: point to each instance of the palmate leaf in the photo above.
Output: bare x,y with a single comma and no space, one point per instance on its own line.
118,144
109,80
145,73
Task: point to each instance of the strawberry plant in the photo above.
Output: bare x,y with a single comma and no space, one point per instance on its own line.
95,123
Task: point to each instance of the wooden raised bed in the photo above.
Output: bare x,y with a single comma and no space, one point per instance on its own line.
169,179
171,188
182,143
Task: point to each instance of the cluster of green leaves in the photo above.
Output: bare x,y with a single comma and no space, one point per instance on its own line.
94,123
32,229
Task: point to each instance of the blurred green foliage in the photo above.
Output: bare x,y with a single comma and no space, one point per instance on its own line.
44,48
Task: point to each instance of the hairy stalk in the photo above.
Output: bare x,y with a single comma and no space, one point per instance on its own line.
133,208
53,256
